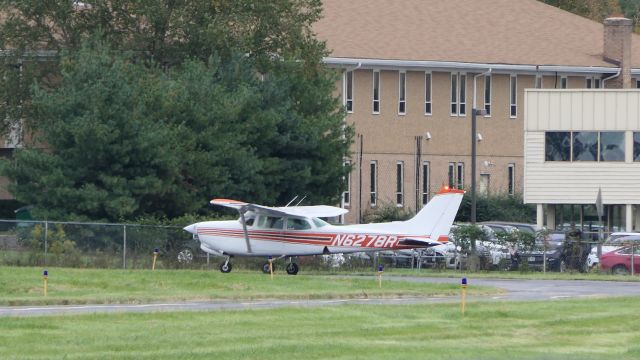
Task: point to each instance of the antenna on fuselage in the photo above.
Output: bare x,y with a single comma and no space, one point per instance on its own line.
292,200
301,200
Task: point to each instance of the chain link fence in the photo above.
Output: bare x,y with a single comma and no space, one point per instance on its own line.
96,245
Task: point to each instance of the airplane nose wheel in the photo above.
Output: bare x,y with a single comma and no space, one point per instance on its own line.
226,267
292,268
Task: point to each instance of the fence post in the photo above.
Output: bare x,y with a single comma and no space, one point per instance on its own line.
124,247
46,231
633,260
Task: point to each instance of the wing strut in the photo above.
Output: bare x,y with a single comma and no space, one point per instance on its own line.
244,228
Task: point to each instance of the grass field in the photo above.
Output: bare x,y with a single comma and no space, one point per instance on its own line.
586,329
24,286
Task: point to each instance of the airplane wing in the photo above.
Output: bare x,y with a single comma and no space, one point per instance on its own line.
314,211
296,211
234,204
418,242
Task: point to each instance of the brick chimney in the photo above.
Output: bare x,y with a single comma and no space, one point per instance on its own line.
617,49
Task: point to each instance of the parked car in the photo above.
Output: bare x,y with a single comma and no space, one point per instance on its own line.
561,253
618,261
552,252
443,256
507,226
613,242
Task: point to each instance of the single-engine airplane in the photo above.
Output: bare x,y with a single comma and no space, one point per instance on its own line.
298,230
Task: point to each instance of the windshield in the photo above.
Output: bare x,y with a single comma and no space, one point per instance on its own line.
622,240
319,223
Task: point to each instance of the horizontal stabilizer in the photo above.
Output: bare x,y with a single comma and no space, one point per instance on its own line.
418,243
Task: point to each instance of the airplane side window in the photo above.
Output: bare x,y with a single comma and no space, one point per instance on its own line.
262,221
275,222
297,224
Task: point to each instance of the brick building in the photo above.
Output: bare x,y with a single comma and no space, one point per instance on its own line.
412,71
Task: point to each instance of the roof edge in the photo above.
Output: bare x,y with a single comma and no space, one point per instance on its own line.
423,64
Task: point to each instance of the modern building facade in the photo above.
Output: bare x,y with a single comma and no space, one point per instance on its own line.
412,71
579,143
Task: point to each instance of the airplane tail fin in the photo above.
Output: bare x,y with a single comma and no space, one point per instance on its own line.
436,218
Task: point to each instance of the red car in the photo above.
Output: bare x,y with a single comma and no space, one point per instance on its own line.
618,262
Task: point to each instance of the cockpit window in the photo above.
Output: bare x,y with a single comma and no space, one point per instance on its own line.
274,222
297,224
319,223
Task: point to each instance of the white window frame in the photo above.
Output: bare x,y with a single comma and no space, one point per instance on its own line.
373,186
402,92
488,104
373,94
453,94
451,175
564,82
511,179
513,96
348,95
458,96
462,94
539,81
592,82
428,93
347,192
426,182
400,183
460,175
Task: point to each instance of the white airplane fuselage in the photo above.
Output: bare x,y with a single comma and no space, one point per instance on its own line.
228,238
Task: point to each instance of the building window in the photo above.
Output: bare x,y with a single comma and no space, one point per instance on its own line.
513,96
463,95
511,179
454,94
487,94
460,176
593,82
637,83
563,82
584,146
402,99
458,94
426,182
557,146
452,175
374,183
427,93
400,183
539,81
376,92
636,146
348,91
346,195
611,146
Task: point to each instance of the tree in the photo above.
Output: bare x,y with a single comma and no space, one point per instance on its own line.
149,108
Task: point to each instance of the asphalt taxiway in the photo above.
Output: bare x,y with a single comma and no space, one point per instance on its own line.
512,290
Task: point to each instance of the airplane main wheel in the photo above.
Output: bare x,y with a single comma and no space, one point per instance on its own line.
265,268
225,267
292,268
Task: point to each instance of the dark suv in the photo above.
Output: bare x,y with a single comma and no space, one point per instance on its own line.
561,253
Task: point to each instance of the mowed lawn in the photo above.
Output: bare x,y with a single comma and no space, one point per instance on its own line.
24,286
578,329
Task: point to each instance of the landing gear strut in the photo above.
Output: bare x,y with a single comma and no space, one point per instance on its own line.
226,267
